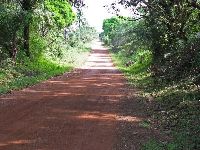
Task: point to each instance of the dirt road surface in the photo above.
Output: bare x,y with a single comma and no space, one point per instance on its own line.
81,110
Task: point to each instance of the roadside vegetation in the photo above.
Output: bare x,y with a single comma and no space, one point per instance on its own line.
159,52
41,39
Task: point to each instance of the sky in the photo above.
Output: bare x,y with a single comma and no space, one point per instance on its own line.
95,13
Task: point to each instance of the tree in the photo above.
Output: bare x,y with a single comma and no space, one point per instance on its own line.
10,23
62,12
169,21
109,26
21,19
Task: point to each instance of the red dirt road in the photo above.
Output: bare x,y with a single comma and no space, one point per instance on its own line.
76,111
65,113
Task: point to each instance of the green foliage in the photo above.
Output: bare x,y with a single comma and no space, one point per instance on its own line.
109,27
52,45
28,73
69,48
46,60
17,19
31,71
160,54
175,107
172,28
153,145
10,22
178,111
62,13
37,46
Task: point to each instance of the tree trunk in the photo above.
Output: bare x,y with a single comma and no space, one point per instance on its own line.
26,38
14,47
26,6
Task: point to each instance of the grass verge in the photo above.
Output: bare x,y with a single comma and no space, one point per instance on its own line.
15,76
23,75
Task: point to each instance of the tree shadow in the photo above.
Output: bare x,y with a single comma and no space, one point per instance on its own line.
84,110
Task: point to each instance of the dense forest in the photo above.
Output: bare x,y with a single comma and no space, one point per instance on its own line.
159,51
40,39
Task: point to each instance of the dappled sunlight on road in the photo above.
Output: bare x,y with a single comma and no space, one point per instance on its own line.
108,117
99,59
80,111
16,142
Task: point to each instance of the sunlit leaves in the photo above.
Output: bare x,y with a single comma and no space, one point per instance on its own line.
61,12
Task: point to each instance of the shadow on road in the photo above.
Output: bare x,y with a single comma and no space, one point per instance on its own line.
87,109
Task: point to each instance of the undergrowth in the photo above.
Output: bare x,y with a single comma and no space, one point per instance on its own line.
21,74
174,106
